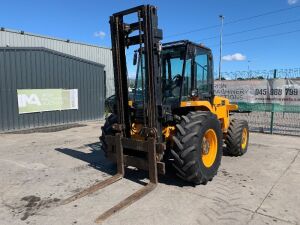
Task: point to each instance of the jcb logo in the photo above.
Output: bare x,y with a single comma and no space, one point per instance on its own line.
25,100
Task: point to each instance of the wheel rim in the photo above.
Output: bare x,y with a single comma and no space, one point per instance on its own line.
209,148
244,138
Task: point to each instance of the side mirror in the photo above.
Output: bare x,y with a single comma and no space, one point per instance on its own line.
195,93
135,58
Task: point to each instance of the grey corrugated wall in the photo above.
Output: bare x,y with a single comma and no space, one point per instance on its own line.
93,53
41,68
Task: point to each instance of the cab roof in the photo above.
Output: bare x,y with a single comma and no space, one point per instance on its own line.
184,42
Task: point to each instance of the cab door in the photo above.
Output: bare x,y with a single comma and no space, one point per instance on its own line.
203,72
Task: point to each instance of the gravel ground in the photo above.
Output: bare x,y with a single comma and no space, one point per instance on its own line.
39,170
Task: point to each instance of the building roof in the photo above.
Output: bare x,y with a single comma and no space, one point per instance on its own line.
21,32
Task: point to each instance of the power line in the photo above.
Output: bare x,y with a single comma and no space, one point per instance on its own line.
193,31
260,37
249,30
263,14
234,21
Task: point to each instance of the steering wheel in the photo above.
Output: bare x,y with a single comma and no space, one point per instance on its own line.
177,80
176,77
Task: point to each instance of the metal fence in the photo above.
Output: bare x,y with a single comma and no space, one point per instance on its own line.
283,123
260,74
269,121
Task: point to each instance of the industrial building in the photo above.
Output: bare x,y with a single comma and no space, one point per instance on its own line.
47,81
97,54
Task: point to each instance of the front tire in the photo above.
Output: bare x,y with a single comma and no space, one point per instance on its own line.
107,129
197,148
237,138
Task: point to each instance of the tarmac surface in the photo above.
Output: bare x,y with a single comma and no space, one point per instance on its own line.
39,170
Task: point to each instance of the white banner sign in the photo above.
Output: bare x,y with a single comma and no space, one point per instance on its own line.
277,92
41,100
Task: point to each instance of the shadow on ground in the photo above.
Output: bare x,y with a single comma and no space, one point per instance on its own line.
47,129
97,160
95,157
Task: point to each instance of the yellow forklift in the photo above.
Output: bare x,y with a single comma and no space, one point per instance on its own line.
172,115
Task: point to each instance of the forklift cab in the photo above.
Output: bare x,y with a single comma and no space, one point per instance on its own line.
186,73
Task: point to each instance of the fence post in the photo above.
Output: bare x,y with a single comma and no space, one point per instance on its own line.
272,113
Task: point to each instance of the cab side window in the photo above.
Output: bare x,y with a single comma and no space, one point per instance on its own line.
201,67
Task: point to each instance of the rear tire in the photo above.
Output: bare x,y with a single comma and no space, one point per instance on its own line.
237,138
192,162
107,129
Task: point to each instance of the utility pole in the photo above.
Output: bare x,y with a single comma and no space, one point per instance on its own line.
221,42
249,69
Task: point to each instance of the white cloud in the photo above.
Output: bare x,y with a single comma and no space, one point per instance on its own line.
234,57
100,34
292,2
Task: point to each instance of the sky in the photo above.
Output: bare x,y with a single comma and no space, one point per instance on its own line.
271,41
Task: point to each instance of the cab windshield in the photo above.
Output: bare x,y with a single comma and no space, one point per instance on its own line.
183,72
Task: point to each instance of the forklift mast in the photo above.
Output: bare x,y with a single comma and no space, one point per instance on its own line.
148,36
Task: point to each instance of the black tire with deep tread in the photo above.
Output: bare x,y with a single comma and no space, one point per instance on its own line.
107,129
233,138
187,152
